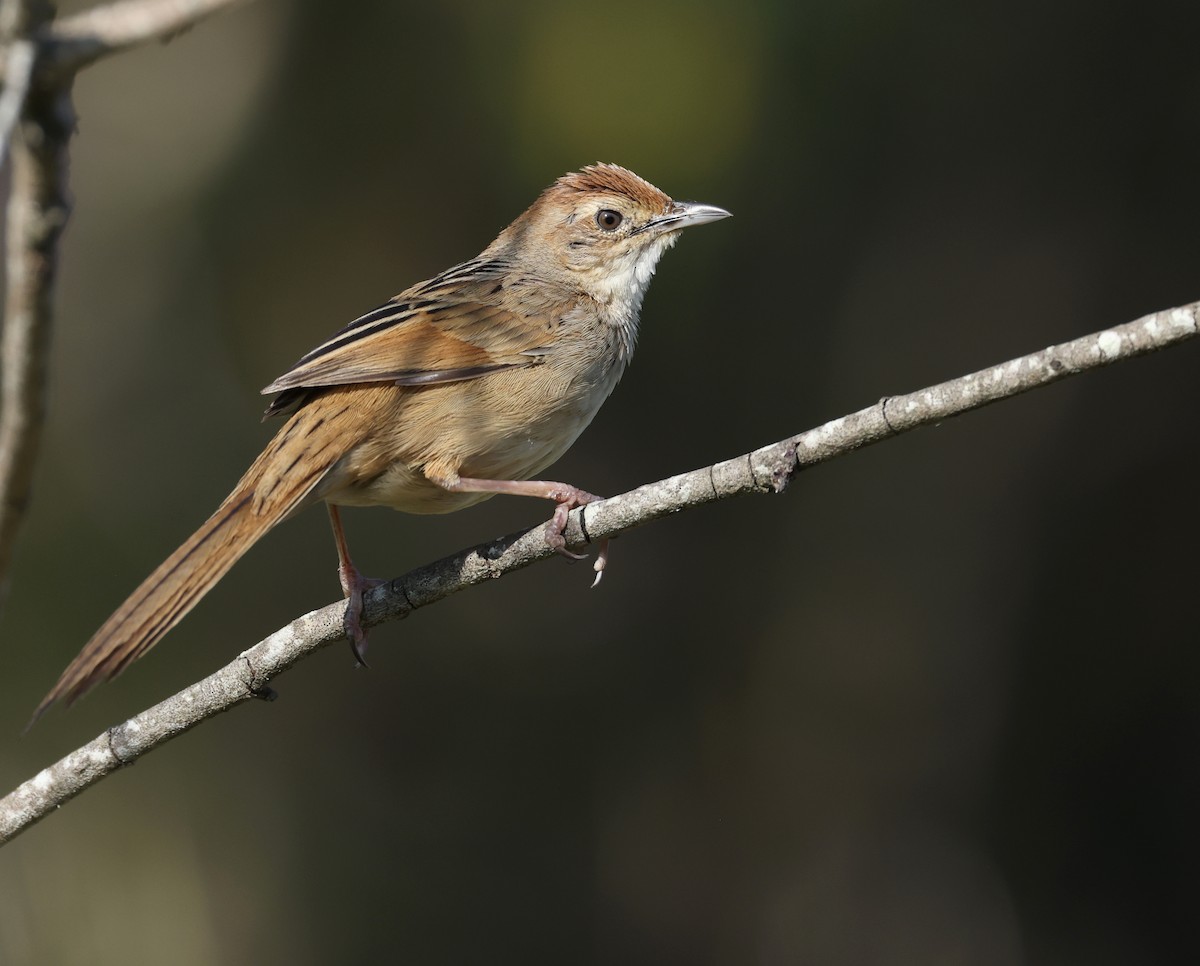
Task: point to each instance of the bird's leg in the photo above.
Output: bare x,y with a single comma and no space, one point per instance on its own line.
567,497
353,586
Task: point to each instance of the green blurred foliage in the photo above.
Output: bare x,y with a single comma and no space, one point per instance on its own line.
935,705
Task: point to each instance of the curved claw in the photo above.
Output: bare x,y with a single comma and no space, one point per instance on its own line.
353,585
557,525
601,562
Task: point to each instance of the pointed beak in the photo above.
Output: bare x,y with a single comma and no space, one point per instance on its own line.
685,213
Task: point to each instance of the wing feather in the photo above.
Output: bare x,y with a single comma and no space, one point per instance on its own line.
450,328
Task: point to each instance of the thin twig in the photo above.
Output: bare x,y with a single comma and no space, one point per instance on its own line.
18,68
38,64
77,41
38,206
764,470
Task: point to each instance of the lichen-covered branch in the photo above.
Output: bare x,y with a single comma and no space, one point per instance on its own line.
763,470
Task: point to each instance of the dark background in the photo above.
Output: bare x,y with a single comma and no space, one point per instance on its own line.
937,704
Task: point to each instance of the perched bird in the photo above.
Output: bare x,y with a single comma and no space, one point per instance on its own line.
459,388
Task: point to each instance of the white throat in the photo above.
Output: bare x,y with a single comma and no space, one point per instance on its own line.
624,285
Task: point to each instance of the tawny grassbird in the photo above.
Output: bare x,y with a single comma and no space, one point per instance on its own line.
459,388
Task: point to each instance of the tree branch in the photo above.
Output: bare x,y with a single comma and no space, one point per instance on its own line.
38,207
767,469
75,42
18,69
38,64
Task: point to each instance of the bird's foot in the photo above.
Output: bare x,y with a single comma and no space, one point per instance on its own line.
570,497
354,585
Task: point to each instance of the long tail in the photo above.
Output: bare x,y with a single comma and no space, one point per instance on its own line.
279,481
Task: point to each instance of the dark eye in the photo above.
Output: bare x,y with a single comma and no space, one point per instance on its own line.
608,219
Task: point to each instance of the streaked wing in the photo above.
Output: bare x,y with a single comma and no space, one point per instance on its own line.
450,328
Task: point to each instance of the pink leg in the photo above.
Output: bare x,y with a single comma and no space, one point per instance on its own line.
566,496
353,585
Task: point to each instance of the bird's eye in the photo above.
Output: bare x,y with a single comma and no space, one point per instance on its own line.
608,220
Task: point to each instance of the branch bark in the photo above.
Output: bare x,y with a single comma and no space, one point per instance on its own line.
37,211
38,63
80,40
763,470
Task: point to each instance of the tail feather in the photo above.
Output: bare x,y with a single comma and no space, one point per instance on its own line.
279,482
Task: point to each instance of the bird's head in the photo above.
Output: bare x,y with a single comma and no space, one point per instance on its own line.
601,230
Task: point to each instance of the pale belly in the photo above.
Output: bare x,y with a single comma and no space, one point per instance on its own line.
501,427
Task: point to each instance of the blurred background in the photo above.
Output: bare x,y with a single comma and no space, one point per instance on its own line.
936,704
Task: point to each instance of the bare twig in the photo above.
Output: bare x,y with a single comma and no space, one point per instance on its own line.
38,64
36,215
77,41
764,470
18,68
